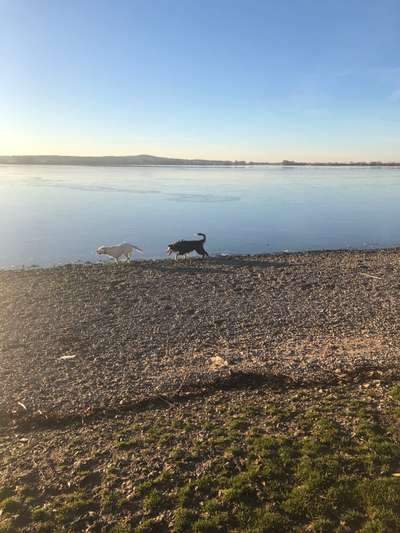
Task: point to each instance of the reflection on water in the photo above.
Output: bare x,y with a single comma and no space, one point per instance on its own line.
208,198
52,214
63,184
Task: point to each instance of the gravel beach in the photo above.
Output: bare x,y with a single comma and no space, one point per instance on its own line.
83,338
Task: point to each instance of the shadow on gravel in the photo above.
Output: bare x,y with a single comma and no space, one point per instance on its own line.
251,263
209,265
230,381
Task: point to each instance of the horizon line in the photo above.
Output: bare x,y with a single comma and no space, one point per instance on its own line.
232,161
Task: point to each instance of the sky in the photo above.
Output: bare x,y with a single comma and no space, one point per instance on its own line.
261,80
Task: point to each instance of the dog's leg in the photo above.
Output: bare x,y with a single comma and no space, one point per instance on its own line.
203,252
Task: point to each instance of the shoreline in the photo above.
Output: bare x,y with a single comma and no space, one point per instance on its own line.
215,257
80,339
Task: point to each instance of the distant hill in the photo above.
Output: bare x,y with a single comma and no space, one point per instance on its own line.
149,160
128,160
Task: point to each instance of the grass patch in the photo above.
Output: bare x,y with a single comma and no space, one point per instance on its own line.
131,443
395,392
12,506
5,492
247,464
73,506
40,515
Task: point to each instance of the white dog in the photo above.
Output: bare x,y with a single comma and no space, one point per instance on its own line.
119,250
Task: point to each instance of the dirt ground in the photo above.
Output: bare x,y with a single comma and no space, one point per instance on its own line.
83,339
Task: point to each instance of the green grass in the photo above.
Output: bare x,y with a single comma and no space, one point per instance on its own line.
40,515
73,506
275,464
5,492
129,443
12,506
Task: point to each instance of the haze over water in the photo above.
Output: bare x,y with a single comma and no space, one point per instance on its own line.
60,214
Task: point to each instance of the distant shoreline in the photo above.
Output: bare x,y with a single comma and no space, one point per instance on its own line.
154,161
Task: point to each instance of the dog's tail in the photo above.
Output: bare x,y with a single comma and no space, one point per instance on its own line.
202,235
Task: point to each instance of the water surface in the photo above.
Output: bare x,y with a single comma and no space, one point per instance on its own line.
59,214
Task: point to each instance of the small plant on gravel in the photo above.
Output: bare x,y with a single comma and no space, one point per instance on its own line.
151,525
154,500
395,392
183,520
73,506
26,491
5,492
40,515
111,501
130,443
12,506
213,523
121,527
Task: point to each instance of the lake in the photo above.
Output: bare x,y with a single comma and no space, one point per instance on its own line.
60,214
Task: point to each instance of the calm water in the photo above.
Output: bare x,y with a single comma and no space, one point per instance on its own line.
51,215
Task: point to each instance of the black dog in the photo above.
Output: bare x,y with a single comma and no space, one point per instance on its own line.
185,247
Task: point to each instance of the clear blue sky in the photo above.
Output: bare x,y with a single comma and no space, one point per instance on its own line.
246,79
